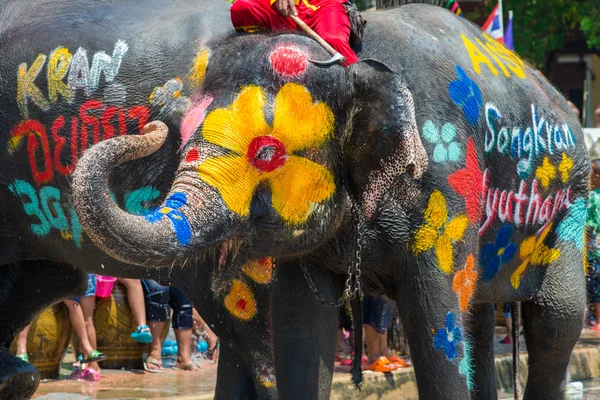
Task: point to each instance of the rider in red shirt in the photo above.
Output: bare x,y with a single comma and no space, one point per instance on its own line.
328,18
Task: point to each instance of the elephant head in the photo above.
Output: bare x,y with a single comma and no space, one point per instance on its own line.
273,149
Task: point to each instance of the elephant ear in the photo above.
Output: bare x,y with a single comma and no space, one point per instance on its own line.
384,144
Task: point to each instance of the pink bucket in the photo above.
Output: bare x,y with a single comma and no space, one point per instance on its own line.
104,285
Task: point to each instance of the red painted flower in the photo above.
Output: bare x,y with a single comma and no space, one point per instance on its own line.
468,183
288,61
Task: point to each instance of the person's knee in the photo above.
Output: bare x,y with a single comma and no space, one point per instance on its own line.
240,8
157,304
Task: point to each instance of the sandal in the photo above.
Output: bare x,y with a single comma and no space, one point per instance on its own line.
95,355
382,364
399,361
23,356
213,353
152,361
90,374
142,334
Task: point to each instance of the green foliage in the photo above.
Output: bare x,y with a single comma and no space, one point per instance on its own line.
541,26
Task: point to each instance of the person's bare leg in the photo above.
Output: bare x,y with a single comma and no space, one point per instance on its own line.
211,338
22,341
372,339
155,347
383,346
597,312
135,298
184,349
508,321
88,305
78,323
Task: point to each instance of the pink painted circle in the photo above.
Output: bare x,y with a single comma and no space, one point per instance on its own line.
266,153
288,61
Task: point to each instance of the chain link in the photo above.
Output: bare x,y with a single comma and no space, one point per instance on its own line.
352,287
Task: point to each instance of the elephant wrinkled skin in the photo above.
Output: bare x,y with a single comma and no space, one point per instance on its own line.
467,168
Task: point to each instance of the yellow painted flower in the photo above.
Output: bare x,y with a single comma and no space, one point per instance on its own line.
565,167
260,271
545,172
533,251
438,232
263,153
240,301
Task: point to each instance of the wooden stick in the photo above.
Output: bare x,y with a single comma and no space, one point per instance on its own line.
313,35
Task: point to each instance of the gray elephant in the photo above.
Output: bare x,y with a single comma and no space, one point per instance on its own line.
73,74
466,170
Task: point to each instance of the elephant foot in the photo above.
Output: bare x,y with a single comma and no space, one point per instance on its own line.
18,379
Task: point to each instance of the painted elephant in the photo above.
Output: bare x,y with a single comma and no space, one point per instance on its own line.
73,74
415,138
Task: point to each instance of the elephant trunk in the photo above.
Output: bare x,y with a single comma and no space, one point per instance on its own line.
164,237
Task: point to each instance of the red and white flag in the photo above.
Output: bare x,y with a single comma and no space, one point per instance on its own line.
494,26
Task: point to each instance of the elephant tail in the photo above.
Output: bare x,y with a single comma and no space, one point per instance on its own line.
516,317
358,341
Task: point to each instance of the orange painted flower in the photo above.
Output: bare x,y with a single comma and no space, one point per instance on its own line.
464,282
260,271
533,251
240,301
260,153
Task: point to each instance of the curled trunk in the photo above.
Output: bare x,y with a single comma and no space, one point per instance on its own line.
164,237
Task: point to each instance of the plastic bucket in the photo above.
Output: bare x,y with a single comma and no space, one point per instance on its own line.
104,285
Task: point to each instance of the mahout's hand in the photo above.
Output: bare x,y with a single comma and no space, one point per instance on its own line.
286,7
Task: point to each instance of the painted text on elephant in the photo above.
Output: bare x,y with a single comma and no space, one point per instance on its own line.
50,210
525,144
95,121
482,54
521,208
60,63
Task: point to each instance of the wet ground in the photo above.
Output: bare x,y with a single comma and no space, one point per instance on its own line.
118,384
184,385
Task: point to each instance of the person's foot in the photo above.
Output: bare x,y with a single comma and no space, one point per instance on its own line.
596,327
186,367
382,364
23,356
506,340
142,334
348,360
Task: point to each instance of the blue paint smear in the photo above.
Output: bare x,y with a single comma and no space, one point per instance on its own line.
179,222
573,226
465,93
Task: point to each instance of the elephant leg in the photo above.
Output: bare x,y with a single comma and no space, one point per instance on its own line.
233,378
304,331
27,288
550,334
429,312
246,365
481,324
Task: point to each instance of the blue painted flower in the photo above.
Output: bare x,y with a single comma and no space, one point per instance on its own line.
179,222
466,94
494,255
447,338
446,148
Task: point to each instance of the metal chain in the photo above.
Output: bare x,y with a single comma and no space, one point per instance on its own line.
352,287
